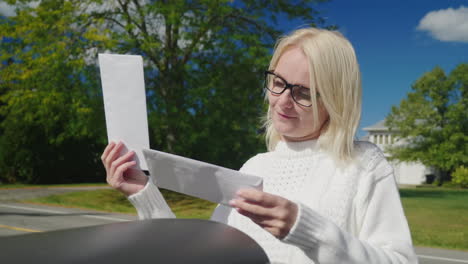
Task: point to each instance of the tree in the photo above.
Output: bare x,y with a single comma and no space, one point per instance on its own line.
207,59
203,67
433,121
49,102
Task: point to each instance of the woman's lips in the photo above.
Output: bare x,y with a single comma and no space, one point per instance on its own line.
285,116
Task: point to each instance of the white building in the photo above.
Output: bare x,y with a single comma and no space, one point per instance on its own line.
413,173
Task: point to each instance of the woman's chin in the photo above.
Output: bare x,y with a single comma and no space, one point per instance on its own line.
289,135
285,130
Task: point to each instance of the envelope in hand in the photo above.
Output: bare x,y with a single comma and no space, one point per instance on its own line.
200,179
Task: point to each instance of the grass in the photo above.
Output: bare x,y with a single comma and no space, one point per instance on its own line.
188,207
112,201
102,200
437,217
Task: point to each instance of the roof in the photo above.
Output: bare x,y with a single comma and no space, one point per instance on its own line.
364,138
379,126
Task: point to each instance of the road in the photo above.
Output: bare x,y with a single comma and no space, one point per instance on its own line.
442,256
16,218
19,218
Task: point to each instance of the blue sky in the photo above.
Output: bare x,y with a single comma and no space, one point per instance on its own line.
391,51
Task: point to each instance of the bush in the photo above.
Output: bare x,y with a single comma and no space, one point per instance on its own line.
460,177
450,184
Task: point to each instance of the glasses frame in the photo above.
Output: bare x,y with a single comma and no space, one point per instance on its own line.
287,86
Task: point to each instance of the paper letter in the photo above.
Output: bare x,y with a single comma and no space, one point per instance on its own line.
123,88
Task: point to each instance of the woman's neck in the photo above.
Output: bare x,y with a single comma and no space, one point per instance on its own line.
299,139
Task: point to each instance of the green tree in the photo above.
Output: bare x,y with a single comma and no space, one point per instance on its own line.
433,121
203,68
51,108
207,59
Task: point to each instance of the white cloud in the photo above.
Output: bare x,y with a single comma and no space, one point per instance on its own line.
10,10
446,24
7,10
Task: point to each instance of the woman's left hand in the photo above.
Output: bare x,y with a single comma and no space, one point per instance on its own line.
273,213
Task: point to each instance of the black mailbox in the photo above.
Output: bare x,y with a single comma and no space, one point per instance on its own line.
148,241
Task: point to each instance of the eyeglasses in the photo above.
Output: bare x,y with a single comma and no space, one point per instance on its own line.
277,85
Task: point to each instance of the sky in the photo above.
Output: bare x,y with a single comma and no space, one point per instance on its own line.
396,42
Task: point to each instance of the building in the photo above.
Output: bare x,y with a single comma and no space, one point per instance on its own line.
413,173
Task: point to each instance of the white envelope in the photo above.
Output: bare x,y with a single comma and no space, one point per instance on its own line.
200,179
123,89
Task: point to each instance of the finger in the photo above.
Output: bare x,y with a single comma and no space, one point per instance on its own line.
122,168
108,148
113,154
262,221
118,175
116,163
276,227
258,197
256,209
278,233
274,219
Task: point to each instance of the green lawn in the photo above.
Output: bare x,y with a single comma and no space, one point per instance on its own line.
110,200
437,217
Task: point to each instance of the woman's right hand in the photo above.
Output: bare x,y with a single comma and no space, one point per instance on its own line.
120,174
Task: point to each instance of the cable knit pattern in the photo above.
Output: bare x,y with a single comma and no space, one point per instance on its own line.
157,208
344,213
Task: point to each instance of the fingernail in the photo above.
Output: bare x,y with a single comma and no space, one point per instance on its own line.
232,202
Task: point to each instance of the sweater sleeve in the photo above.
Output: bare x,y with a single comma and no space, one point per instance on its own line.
384,235
150,203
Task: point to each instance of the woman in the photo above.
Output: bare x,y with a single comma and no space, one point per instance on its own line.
326,198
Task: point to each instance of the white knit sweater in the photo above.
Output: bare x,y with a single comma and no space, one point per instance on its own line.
350,215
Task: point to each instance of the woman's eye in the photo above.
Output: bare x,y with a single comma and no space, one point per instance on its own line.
278,83
302,93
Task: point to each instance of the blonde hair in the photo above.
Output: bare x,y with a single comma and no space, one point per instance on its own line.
334,68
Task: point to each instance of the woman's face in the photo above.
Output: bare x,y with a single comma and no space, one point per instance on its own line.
292,121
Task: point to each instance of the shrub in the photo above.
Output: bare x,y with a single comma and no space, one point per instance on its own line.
460,177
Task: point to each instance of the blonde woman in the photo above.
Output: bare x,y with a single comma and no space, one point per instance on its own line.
326,197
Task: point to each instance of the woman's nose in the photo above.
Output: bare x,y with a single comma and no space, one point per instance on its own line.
285,99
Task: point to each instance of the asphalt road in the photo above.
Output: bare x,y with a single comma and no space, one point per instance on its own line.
16,218
20,218
442,256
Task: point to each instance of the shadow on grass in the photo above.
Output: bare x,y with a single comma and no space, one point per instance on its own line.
418,193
